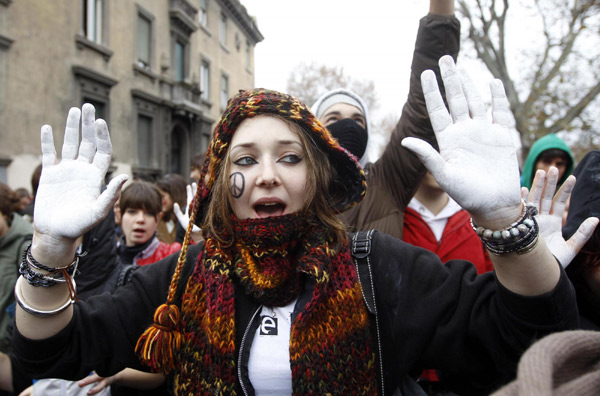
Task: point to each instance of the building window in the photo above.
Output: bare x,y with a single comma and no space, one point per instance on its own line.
100,106
224,91
203,13
4,163
146,124
145,139
179,61
144,41
93,20
177,147
94,88
223,30
205,80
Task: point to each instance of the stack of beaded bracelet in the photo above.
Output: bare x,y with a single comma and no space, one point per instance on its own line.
30,271
520,237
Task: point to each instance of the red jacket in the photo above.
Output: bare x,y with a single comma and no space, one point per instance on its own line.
458,241
156,251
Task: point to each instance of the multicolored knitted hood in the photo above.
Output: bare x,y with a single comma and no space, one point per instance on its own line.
348,182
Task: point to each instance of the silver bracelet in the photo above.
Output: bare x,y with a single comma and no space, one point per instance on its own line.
38,312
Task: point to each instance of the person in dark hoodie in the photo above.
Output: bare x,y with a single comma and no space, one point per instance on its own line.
584,270
547,151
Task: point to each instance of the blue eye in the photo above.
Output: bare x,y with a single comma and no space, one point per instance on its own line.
245,161
291,159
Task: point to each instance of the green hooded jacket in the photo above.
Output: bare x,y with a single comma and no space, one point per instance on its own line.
550,141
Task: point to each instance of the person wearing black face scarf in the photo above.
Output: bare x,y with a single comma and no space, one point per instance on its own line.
393,179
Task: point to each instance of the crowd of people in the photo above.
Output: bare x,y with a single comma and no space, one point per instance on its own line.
291,264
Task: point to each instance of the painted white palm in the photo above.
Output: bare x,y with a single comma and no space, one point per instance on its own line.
69,201
551,208
184,218
477,163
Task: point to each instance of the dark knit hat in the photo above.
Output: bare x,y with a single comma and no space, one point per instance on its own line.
348,181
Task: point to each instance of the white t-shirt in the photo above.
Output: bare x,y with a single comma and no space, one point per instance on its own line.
438,222
269,363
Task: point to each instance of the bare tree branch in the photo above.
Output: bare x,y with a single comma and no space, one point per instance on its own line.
559,78
563,123
493,58
567,49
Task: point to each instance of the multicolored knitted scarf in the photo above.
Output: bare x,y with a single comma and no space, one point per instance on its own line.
330,342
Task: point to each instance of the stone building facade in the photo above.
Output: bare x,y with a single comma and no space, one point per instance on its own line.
158,71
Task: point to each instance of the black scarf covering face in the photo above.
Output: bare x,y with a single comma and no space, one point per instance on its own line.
350,136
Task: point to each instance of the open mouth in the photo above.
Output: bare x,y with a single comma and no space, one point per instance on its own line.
269,209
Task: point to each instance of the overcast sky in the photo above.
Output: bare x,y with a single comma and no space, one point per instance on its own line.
372,40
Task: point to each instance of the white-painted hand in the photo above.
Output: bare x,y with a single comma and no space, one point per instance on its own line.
68,201
477,163
551,208
184,218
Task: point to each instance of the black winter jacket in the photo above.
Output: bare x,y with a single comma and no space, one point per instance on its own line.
585,202
428,315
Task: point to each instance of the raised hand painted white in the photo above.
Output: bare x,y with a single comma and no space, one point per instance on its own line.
551,208
184,218
477,163
68,202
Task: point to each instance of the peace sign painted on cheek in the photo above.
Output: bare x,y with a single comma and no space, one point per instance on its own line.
237,184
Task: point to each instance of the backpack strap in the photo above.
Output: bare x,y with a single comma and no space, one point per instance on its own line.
361,249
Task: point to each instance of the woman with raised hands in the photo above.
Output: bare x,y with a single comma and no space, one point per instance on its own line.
273,301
